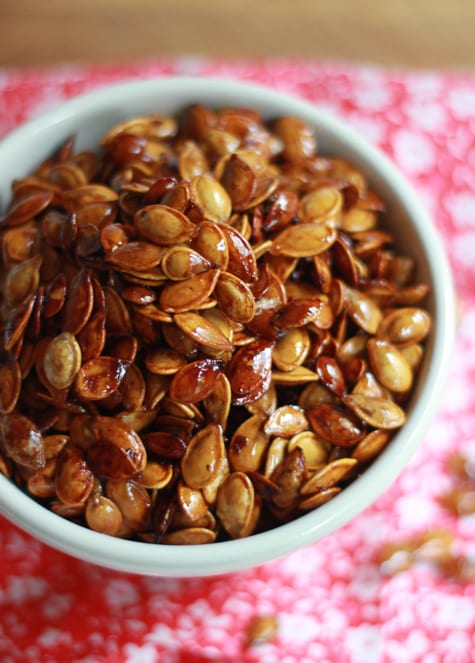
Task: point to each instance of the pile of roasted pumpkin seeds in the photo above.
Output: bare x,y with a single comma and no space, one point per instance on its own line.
206,328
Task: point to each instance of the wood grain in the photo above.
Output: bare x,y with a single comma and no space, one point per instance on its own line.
417,33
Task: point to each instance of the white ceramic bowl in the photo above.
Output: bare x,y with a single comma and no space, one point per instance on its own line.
90,116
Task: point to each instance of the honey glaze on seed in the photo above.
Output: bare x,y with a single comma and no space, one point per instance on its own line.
205,328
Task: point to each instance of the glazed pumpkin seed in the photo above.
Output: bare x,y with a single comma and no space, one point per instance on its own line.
203,457
304,240
10,385
235,298
117,450
317,499
62,360
164,225
41,483
155,476
22,280
242,259
218,403
188,294
99,377
191,502
103,515
212,197
195,381
377,412
328,476
74,479
288,477
291,350
133,500
22,441
405,326
235,503
371,445
322,204
27,207
248,445
249,371
202,330
286,421
138,256
164,361
315,450
335,424
210,243
389,365
180,262
191,536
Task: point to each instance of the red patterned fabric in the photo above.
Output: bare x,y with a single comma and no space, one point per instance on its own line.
333,602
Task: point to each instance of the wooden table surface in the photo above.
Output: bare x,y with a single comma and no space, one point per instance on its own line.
411,33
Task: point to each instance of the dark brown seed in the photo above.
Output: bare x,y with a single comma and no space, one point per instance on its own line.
195,381
336,425
249,371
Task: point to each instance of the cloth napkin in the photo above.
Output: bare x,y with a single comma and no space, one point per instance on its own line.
333,602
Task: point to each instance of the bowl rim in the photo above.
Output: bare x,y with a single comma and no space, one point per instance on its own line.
224,557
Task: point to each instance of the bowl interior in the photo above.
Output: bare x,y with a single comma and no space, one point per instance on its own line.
89,117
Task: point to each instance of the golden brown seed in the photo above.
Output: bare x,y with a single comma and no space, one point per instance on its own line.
191,536
164,225
317,499
133,500
235,298
304,240
323,204
292,349
328,476
314,448
103,515
203,458
288,477
248,445
210,242
62,360
249,371
218,403
22,280
41,483
389,365
191,293
212,197
371,445
286,421
235,503
180,262
377,412
261,630
191,502
137,256
164,361
405,326
155,476
202,330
